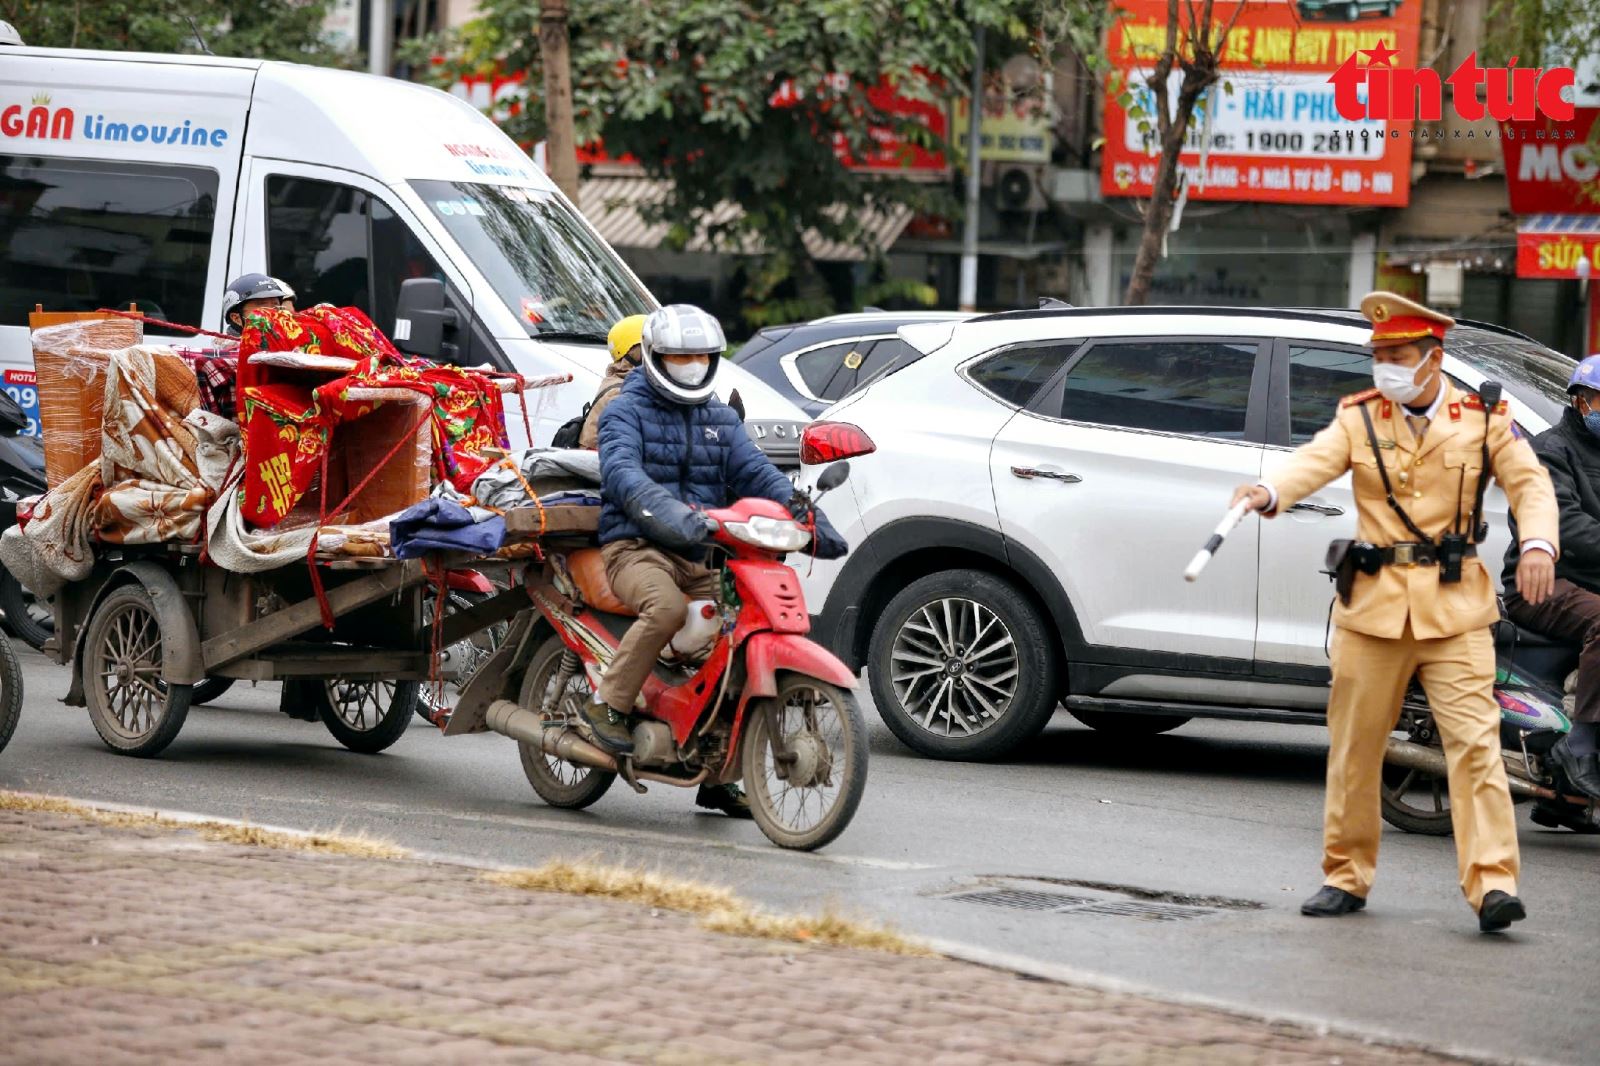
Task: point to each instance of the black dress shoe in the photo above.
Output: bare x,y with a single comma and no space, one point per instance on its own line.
1583,771
1330,902
1498,911
1558,814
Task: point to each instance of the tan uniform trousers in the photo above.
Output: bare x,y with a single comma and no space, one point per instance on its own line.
1370,675
653,582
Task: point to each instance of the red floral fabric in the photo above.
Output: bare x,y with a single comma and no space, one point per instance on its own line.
288,427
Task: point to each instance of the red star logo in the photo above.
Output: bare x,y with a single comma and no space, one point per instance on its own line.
1380,55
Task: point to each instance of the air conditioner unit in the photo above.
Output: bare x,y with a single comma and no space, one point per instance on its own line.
1019,187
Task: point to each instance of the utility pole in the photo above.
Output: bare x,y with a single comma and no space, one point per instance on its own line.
561,139
968,296
380,29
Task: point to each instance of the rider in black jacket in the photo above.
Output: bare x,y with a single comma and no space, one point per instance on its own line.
1570,450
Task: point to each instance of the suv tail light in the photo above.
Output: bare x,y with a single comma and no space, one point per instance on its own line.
827,442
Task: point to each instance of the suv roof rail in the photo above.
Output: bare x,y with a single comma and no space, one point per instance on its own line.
1339,315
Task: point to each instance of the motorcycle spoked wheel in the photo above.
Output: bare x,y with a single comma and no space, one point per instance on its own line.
806,797
559,783
1415,800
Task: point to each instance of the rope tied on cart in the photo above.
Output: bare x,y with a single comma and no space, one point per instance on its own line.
311,551
441,584
544,519
140,316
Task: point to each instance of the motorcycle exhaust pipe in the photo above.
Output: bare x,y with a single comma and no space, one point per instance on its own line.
517,722
1431,761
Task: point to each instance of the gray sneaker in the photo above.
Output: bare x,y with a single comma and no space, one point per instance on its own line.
609,726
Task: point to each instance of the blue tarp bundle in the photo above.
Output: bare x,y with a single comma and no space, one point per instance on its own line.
443,525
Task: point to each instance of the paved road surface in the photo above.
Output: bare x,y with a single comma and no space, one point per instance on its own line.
1223,810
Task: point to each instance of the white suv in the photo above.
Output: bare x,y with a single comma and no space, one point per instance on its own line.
1023,500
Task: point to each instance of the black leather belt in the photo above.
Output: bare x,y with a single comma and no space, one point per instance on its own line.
1416,554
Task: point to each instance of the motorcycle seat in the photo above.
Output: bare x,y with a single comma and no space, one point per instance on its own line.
588,569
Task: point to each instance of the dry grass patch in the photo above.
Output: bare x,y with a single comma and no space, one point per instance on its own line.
718,909
357,845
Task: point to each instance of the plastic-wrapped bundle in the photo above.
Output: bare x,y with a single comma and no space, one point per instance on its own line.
71,359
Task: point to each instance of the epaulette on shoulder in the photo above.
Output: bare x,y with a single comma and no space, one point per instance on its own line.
1473,402
1360,397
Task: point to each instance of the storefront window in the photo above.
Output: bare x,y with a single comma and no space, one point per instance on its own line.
1242,255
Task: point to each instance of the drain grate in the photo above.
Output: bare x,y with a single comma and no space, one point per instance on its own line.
1019,899
1023,899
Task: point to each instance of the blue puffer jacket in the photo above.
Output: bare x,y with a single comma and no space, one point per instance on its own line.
656,456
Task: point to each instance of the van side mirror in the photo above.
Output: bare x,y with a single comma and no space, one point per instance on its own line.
421,320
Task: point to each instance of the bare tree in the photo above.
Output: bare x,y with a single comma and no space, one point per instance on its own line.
1194,44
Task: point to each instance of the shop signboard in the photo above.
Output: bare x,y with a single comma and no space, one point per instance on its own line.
1551,165
1552,246
1279,137
1009,131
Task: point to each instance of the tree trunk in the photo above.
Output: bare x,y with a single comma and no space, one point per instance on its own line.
1163,195
561,139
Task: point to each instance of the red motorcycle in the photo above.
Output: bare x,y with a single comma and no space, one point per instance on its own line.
740,693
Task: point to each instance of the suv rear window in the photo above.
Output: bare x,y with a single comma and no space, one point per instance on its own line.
1016,374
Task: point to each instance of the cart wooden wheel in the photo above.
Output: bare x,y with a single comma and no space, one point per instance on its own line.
367,716
133,710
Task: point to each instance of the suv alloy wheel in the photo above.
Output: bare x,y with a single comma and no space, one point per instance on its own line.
961,666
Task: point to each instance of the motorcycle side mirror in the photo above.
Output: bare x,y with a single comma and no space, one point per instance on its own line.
833,477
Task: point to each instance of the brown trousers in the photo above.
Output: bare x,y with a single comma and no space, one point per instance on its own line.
1370,675
1570,614
654,583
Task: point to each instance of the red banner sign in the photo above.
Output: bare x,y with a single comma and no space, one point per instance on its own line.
1556,255
1550,166
1279,137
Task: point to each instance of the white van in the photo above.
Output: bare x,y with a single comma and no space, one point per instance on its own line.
155,179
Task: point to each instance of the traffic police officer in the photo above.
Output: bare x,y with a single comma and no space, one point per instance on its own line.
1406,616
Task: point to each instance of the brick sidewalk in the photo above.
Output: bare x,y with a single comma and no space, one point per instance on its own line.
152,945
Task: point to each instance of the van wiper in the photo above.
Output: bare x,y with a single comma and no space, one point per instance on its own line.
585,336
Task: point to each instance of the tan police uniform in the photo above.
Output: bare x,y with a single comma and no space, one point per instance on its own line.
1403,621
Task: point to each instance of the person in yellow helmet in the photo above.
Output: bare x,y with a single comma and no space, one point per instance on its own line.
624,343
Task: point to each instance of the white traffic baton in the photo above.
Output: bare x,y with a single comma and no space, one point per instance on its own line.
1234,516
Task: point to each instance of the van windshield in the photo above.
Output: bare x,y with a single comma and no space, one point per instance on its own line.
559,278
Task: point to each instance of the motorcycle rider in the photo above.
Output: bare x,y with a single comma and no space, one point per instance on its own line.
1570,451
253,292
669,448
623,340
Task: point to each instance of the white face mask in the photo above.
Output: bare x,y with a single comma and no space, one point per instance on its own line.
687,374
1398,383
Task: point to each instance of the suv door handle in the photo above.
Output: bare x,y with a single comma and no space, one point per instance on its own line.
1027,473
1318,508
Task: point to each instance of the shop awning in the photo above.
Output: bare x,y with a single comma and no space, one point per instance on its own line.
1551,246
613,205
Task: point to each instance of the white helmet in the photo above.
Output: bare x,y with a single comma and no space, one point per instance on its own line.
681,329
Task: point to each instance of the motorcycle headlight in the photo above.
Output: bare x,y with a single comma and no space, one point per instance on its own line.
773,534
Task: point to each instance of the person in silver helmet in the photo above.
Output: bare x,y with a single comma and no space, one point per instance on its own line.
669,450
253,292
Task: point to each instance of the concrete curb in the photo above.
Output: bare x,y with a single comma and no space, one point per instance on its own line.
961,952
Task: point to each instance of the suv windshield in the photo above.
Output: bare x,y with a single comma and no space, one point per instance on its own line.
559,278
1537,375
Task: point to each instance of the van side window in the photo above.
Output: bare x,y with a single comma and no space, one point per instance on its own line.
340,245
79,235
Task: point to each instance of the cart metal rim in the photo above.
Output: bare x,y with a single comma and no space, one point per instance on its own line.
128,669
360,705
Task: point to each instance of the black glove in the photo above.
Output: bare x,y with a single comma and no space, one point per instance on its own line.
800,508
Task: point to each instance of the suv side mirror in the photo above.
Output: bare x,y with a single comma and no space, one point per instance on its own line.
421,319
